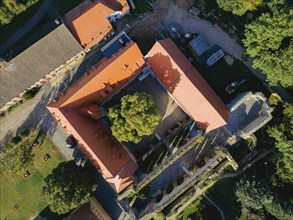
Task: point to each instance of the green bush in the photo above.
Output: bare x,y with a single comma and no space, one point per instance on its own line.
159,197
15,140
274,99
180,180
29,94
10,109
24,134
169,188
143,193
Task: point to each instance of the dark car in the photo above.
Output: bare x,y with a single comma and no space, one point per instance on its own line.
233,86
71,142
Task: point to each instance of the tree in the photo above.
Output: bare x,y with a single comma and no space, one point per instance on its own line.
10,8
275,208
135,116
258,196
67,187
268,42
28,95
250,194
16,160
239,7
283,135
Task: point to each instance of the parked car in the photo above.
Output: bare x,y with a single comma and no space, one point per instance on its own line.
175,33
71,142
233,86
215,57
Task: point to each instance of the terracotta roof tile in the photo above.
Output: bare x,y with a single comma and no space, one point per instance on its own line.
180,78
88,22
94,138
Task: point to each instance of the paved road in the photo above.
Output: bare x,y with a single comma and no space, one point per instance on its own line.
215,205
46,7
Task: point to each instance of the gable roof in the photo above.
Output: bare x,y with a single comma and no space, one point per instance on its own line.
36,62
95,139
88,21
180,78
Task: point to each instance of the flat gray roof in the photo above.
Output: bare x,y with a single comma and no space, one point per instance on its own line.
37,61
200,45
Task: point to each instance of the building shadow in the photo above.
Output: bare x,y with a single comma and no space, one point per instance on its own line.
46,213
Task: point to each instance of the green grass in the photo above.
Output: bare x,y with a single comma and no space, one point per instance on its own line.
223,194
200,209
65,6
21,198
18,21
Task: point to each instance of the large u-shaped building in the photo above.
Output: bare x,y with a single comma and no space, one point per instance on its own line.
78,109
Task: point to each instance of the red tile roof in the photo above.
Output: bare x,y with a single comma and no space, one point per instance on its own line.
88,21
186,85
95,140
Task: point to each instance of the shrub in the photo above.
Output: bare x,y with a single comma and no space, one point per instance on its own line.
180,180
159,197
10,109
29,94
15,140
24,134
169,188
274,99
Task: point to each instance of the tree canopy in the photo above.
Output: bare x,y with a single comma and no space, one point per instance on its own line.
250,194
135,116
10,8
259,196
67,187
16,159
268,41
239,7
283,135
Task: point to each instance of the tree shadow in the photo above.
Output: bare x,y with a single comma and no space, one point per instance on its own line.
168,73
6,138
46,213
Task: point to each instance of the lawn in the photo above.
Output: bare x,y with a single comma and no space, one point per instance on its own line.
21,198
200,209
223,194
